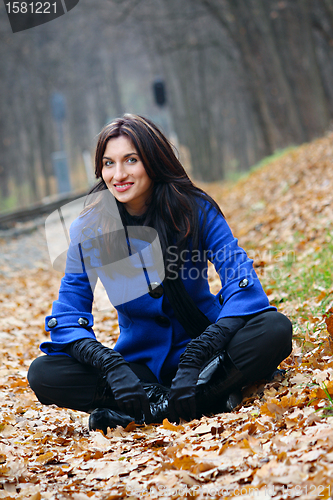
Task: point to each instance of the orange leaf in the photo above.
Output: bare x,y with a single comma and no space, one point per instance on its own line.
184,462
45,458
130,427
329,325
320,297
329,321
172,427
287,402
270,409
320,393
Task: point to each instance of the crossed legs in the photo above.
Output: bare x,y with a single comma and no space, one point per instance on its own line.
253,354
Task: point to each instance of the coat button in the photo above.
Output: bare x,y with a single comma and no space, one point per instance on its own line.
221,299
52,322
155,290
162,321
83,321
243,283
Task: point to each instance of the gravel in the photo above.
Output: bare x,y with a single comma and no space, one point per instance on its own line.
23,247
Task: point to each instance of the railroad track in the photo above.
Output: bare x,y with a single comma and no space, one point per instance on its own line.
9,220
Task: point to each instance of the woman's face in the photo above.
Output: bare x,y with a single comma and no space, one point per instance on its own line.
125,176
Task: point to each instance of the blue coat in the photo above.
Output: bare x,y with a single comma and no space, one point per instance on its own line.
149,331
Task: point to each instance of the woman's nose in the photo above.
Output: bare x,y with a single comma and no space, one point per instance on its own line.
120,173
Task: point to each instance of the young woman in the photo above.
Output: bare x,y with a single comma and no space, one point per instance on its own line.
148,233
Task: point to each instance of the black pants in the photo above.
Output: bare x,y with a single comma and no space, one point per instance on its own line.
255,350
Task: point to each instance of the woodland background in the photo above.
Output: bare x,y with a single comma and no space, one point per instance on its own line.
243,79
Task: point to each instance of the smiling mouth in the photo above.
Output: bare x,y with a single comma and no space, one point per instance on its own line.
123,187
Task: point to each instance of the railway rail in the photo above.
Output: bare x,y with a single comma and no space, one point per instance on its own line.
9,220
27,220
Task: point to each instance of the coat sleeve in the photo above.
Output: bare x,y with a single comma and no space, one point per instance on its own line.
71,317
241,293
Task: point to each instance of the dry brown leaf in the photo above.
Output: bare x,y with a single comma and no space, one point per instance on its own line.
320,392
172,427
45,458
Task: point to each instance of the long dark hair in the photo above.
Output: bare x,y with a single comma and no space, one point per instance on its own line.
173,207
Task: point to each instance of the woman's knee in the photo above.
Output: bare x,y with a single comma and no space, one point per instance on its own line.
48,372
37,378
35,374
63,381
279,331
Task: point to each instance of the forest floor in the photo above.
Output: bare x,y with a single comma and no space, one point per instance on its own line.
277,444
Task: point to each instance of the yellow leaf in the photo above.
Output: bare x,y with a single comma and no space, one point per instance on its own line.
45,458
184,462
36,496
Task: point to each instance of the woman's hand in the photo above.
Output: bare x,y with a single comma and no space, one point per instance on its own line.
125,385
197,353
182,402
129,393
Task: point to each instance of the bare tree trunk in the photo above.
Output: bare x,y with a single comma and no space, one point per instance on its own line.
238,33
317,114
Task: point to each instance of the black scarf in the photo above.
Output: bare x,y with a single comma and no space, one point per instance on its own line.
192,319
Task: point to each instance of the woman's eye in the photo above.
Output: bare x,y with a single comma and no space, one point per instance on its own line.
132,160
108,163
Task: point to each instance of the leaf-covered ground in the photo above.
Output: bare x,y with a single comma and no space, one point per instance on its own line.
277,444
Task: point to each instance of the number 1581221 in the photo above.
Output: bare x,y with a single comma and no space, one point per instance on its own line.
31,8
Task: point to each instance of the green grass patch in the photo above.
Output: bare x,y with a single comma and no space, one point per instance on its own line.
304,280
303,275
278,153
234,176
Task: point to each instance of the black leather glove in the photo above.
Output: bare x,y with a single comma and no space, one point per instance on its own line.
129,393
183,388
182,396
125,385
